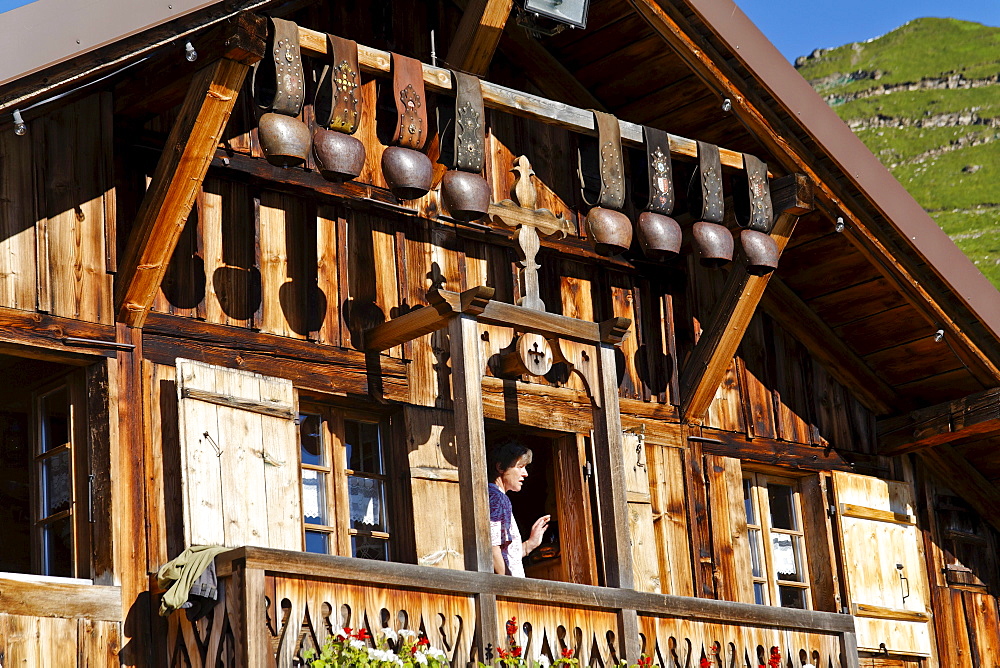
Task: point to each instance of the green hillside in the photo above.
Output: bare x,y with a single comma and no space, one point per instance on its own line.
925,99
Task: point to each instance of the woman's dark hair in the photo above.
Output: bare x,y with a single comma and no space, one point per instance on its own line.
504,455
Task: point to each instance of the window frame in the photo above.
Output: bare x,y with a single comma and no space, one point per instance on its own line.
332,435
758,482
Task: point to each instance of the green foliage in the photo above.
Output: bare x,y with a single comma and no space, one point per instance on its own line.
927,47
951,171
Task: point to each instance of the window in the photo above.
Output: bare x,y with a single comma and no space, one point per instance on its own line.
344,495
777,545
44,490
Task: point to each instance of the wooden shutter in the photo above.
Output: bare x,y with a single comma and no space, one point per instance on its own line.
730,542
645,559
239,458
878,531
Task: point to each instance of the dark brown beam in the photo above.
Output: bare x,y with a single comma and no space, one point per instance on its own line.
789,311
773,452
41,336
973,417
705,369
965,480
478,34
180,173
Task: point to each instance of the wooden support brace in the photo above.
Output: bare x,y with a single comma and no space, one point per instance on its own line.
974,417
728,323
178,178
478,34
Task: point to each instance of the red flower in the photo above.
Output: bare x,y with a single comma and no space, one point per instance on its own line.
567,653
705,662
775,660
512,626
423,641
516,652
502,653
645,661
362,634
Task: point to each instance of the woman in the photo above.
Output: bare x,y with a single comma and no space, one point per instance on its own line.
507,466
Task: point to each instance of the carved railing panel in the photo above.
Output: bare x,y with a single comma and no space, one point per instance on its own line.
681,643
302,599
546,630
307,611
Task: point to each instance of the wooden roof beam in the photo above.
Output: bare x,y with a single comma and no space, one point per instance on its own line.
965,480
535,107
705,61
974,417
789,311
705,369
478,35
181,170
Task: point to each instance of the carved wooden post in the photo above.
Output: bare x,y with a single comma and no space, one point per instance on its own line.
246,587
470,435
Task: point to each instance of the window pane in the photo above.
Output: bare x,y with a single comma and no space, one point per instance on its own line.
792,597
755,560
785,550
56,484
54,412
782,511
366,503
367,547
364,452
57,548
311,440
314,497
759,593
748,501
317,543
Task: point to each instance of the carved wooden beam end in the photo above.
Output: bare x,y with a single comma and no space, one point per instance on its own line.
970,418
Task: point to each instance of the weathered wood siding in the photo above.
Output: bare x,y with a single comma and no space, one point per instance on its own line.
58,226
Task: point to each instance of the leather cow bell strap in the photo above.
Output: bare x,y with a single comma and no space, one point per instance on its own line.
660,169
278,81
470,126
752,196
338,104
705,193
610,166
411,102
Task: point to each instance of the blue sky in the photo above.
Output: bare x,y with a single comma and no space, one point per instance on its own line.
798,26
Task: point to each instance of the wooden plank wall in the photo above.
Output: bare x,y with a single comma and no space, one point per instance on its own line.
59,213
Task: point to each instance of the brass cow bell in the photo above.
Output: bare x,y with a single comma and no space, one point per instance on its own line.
409,173
714,244
611,231
761,252
659,236
285,140
466,195
337,106
339,156
712,240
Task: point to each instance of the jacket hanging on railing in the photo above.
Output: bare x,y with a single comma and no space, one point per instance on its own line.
190,581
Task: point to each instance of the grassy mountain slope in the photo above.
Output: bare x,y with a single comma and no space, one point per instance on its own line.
925,98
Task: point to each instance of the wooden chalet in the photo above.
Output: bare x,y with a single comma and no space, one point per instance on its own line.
201,347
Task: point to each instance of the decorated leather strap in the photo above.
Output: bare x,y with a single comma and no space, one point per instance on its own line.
278,81
470,126
660,169
411,102
753,206
609,159
710,173
337,103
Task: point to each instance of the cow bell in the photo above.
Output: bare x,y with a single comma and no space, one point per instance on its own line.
714,244
408,172
339,156
285,139
659,236
761,252
611,231
466,195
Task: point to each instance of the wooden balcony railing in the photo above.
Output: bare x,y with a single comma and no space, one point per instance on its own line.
275,603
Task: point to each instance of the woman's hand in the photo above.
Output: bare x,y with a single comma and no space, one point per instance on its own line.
537,531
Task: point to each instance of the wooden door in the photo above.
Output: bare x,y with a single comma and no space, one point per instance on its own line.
883,564
239,458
